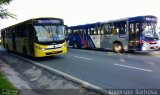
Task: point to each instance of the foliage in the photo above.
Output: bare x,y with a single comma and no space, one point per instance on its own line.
5,83
4,13
5,1
6,87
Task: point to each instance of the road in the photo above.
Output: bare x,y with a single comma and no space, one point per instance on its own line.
107,69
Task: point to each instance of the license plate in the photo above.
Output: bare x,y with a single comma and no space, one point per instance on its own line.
54,51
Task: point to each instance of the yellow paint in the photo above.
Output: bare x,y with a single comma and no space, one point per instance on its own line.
42,53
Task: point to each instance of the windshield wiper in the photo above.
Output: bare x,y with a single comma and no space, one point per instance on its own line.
45,28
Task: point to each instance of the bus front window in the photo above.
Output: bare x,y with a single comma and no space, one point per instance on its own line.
47,33
149,29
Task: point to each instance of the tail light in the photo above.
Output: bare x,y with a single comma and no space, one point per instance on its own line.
150,42
141,42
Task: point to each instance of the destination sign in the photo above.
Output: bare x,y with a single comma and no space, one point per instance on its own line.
151,19
54,21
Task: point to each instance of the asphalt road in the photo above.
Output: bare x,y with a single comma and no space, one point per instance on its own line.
108,69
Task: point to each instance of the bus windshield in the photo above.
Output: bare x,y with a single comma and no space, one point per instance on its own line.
149,29
47,33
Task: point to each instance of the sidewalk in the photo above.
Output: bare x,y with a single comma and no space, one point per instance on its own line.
14,78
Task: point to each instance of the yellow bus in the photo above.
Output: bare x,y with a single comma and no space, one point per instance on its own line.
37,37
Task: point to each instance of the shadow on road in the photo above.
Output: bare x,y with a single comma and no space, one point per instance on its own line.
147,53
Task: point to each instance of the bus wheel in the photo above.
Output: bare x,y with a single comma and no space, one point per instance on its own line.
117,47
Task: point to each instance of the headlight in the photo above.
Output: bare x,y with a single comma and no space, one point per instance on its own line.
38,47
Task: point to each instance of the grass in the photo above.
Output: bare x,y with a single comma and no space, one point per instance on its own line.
6,87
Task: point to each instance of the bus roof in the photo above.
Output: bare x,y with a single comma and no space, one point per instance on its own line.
32,20
86,25
137,18
130,19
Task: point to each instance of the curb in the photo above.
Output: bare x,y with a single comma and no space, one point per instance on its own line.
83,83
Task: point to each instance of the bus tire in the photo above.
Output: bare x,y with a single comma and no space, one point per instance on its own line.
118,47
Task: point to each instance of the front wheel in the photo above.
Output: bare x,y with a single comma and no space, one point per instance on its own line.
117,47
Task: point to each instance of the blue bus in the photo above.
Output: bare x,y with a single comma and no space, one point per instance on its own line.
127,34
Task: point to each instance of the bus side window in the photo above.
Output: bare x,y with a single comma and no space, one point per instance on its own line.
31,32
92,31
119,28
75,32
131,29
122,29
71,32
137,28
5,33
98,30
68,32
106,29
102,30
8,33
85,32
95,32
24,30
114,30
80,32
88,30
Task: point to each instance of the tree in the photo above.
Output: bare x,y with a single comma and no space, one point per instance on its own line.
4,13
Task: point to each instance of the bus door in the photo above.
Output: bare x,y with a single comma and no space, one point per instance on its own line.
106,36
31,38
70,36
75,38
3,38
95,37
134,35
13,40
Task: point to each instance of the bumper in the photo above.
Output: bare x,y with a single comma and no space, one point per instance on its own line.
149,47
50,51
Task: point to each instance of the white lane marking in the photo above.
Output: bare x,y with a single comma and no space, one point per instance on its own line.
83,58
133,67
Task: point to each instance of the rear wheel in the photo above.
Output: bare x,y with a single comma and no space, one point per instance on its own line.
117,47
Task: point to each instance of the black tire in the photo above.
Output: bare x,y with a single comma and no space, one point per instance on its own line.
118,48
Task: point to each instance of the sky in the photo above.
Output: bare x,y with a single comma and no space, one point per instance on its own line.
76,12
